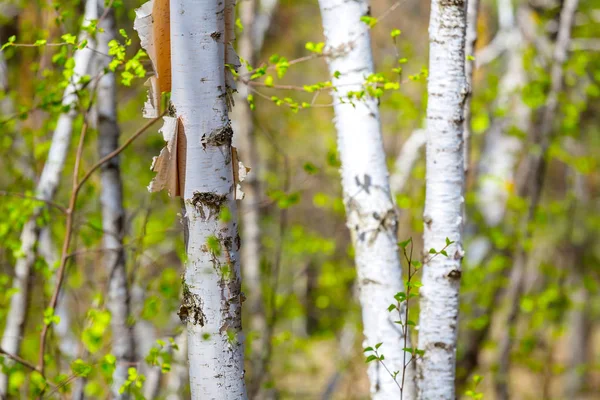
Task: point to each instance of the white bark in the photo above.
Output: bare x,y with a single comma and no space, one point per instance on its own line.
371,215
408,157
263,21
250,207
501,151
211,307
113,213
532,187
45,190
470,42
447,89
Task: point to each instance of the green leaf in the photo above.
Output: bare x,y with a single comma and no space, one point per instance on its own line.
315,47
405,243
395,33
378,345
372,357
370,21
432,251
69,38
310,168
367,349
81,368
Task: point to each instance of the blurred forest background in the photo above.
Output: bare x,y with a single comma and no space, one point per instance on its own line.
312,319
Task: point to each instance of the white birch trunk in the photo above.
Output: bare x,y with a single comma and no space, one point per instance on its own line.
250,207
501,150
113,213
532,187
447,89
371,215
470,42
408,157
212,297
45,190
267,10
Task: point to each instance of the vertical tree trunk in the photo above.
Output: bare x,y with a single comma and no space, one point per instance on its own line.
444,200
532,187
470,42
408,157
45,190
501,150
250,207
201,33
371,215
113,213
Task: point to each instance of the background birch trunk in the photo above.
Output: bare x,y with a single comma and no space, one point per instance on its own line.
371,215
45,191
532,187
447,89
113,213
201,32
250,207
406,160
470,43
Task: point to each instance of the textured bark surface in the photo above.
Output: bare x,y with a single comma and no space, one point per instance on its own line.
371,215
447,89
45,190
113,214
201,32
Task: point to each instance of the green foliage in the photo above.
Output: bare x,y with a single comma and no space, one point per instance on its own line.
308,291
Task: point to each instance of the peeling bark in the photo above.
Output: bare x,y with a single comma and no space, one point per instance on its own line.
201,90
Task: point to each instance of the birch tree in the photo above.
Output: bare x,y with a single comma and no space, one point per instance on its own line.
45,191
250,207
447,90
371,215
532,186
200,165
201,35
113,213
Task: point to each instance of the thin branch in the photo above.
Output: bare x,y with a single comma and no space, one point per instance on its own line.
18,359
77,185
